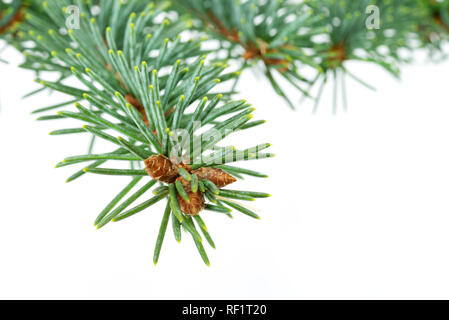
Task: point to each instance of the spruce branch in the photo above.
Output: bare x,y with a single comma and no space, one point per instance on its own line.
286,36
289,35
135,81
152,99
277,33
433,26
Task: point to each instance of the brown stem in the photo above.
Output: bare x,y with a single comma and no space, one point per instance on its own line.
18,17
440,22
252,50
337,55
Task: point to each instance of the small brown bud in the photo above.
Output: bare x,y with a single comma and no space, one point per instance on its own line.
197,202
217,176
161,168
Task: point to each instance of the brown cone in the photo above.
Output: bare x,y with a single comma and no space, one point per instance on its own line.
197,202
217,176
161,168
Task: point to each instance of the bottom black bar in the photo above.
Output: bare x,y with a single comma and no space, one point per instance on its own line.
232,309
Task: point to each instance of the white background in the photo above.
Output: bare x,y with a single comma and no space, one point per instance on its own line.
359,207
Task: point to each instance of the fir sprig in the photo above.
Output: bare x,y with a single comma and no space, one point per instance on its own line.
139,142
289,35
277,33
152,95
285,36
149,100
54,44
350,37
433,26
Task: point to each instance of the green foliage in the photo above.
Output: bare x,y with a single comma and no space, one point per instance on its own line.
139,88
8,11
353,36
289,36
277,33
138,78
433,26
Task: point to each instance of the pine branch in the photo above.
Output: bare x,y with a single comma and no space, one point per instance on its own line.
289,35
155,98
136,96
277,33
